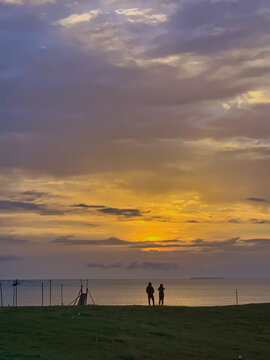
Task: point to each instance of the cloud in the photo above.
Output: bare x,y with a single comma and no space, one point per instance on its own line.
84,206
129,213
145,16
12,241
68,240
136,265
214,26
173,245
152,266
192,221
26,2
6,258
172,241
257,200
13,2
237,145
77,18
114,241
196,244
247,99
160,140
121,212
234,221
259,221
34,195
257,242
20,206
102,266
223,246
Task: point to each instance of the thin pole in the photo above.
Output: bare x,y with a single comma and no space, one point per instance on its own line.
236,297
87,291
42,294
16,289
80,294
50,292
62,303
1,294
92,298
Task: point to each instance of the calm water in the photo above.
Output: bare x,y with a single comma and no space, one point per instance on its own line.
132,292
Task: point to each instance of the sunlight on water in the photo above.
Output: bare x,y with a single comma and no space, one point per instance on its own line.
132,292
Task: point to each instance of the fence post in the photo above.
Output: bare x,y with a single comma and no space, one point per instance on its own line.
50,292
236,297
15,293
1,294
13,296
42,294
62,303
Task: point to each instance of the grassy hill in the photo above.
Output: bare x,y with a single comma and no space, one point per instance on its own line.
129,333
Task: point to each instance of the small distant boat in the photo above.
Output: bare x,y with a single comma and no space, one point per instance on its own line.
207,278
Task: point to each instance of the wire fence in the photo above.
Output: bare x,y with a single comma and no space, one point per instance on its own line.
43,293
129,292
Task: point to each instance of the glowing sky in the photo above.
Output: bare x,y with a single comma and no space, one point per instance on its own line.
134,138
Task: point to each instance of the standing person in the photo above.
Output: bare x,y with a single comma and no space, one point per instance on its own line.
150,292
161,294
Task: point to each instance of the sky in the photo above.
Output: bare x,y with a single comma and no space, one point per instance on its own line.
134,138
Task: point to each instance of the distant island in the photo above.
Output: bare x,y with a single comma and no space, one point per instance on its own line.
207,278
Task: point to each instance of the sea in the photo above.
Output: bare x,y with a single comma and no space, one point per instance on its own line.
190,292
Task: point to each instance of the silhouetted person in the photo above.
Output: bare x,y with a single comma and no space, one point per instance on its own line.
161,294
150,292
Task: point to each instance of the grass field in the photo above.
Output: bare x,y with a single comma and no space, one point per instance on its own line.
129,333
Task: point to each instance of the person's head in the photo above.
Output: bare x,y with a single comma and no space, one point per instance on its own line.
150,284
161,285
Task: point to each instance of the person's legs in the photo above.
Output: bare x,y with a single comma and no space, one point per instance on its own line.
151,297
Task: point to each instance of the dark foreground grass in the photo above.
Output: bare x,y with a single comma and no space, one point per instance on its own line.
129,333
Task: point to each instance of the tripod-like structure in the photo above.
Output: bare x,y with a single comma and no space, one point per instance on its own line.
82,298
